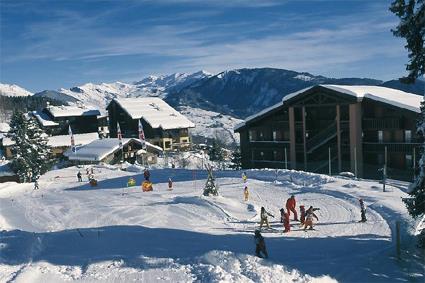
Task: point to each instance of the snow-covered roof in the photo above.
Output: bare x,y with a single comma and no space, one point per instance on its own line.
259,114
44,119
387,95
4,127
65,140
155,111
99,149
71,111
61,141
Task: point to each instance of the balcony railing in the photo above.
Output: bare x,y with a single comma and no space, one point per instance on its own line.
391,147
381,123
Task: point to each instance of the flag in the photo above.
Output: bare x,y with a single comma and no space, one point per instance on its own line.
141,135
119,135
74,150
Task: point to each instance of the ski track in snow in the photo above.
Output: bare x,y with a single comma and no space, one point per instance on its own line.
70,231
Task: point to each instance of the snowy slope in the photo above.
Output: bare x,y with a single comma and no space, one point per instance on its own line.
13,90
68,231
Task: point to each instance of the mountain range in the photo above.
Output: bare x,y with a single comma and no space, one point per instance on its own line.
214,102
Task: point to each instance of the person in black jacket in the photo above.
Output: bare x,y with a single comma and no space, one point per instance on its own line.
260,245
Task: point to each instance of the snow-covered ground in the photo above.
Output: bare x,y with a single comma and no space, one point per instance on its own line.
68,231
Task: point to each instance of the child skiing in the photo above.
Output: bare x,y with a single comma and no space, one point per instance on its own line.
362,211
36,187
80,179
290,206
244,177
309,215
302,212
146,174
246,193
260,245
282,215
170,184
264,214
286,223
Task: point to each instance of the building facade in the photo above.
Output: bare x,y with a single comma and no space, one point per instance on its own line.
55,120
162,125
336,128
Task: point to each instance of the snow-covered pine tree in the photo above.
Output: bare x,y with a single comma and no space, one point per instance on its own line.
41,154
21,147
416,204
31,154
210,186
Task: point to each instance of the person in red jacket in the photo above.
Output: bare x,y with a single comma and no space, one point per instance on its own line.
290,206
302,217
286,224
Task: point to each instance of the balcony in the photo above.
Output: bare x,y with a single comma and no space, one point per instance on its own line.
391,147
381,123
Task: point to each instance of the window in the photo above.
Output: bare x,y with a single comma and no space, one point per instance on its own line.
408,136
261,136
251,135
275,156
380,136
275,135
409,161
262,154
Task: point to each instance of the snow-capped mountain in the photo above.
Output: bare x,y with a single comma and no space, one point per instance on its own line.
100,95
13,90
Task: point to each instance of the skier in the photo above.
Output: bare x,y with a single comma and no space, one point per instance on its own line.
282,215
244,177
309,215
146,174
286,224
36,187
246,193
302,211
263,217
80,179
87,171
260,245
92,171
290,206
170,184
362,211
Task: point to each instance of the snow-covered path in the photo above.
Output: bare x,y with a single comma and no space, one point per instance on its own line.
70,231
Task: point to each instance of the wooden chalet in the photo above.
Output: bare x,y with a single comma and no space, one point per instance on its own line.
55,120
352,126
163,125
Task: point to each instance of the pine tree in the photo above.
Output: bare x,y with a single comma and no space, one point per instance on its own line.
236,159
31,154
412,28
210,186
216,152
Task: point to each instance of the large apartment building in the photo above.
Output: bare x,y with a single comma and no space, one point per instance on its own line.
352,126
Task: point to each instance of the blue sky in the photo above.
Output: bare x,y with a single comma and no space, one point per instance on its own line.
53,44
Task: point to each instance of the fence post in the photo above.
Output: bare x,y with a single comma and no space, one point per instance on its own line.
286,160
330,165
384,172
398,240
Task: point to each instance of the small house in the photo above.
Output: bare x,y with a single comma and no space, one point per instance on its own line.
109,151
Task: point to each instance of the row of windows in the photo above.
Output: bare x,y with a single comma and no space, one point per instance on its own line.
275,135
